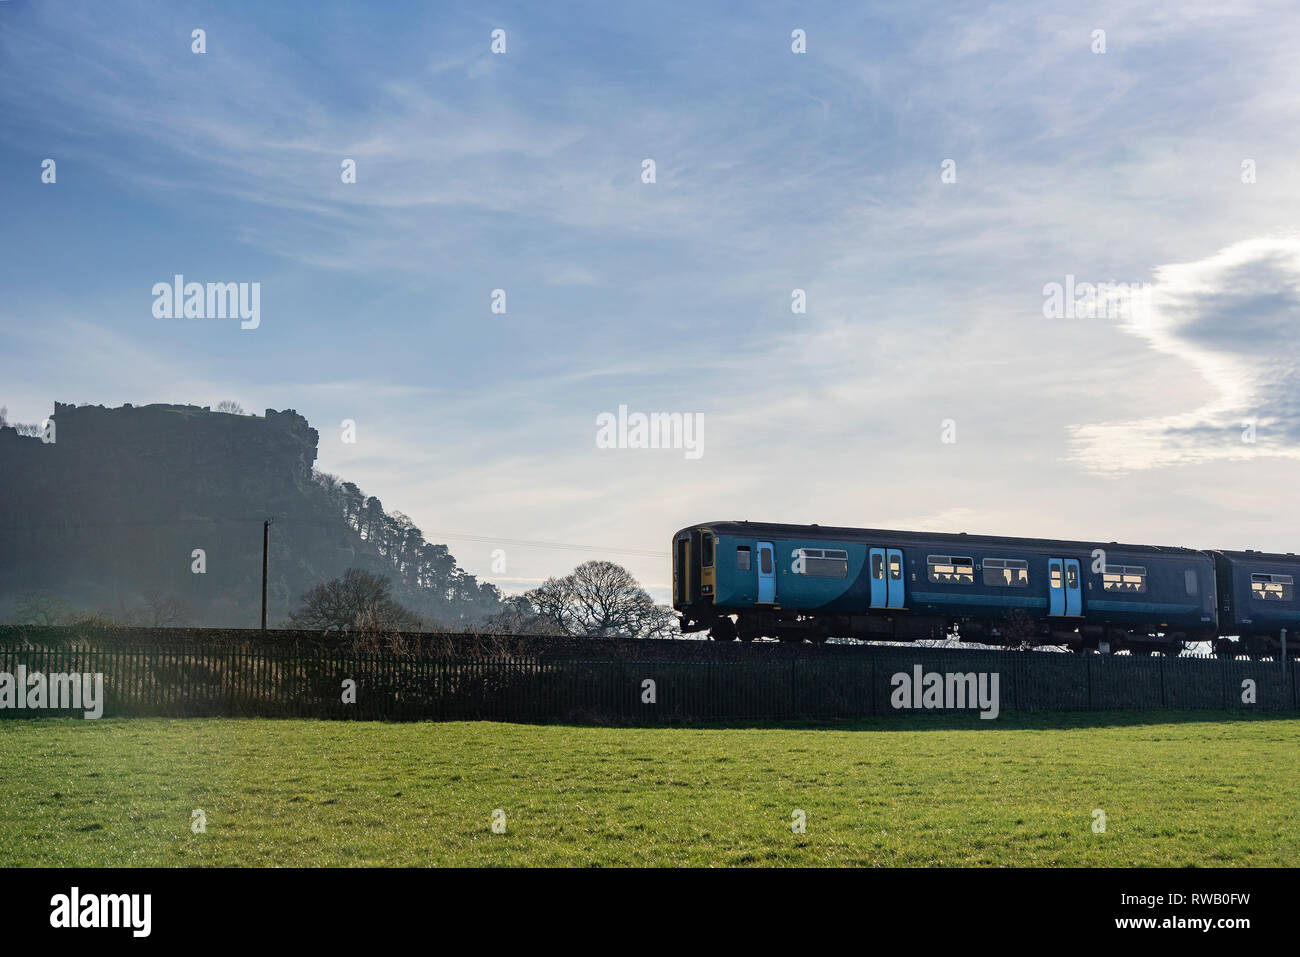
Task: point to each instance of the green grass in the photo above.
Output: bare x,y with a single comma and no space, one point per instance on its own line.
1176,789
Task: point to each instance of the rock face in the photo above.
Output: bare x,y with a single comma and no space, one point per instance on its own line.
120,501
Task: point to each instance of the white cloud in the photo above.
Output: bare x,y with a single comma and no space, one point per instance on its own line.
1232,317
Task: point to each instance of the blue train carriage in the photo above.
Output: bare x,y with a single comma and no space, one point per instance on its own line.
1257,600
797,582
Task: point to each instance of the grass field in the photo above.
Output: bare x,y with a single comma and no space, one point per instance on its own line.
1176,790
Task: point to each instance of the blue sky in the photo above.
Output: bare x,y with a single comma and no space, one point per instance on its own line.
775,171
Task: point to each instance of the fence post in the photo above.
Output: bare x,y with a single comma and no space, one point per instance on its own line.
622,700
873,685
230,678
1286,668
1087,659
794,698
1164,702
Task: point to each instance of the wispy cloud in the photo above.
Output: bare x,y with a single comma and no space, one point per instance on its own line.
1234,319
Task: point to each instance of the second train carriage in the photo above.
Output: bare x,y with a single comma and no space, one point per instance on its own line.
795,582
1256,600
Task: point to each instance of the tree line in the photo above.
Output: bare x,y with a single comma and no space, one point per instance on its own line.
427,574
598,599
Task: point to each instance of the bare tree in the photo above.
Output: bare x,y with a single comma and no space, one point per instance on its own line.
518,616
41,608
163,611
600,599
358,600
552,604
231,406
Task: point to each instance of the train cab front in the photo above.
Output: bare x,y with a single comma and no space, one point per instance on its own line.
693,578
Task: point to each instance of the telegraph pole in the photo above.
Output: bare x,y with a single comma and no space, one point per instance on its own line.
266,528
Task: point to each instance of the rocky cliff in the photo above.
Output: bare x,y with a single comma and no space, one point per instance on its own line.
116,505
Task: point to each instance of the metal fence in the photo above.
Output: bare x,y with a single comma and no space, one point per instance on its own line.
194,680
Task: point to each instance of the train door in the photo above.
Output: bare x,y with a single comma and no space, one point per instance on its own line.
682,573
885,573
1073,589
895,563
766,574
1065,595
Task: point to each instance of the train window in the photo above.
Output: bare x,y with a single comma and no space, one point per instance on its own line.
1193,586
765,561
706,550
1124,578
951,570
742,558
1272,587
896,567
1012,572
878,567
822,562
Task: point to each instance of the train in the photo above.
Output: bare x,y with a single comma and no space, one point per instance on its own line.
792,583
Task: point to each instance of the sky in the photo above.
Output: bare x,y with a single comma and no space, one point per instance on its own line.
924,174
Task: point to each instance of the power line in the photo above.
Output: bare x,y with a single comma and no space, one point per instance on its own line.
559,545
450,536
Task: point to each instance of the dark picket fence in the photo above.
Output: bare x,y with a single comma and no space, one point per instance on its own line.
225,680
